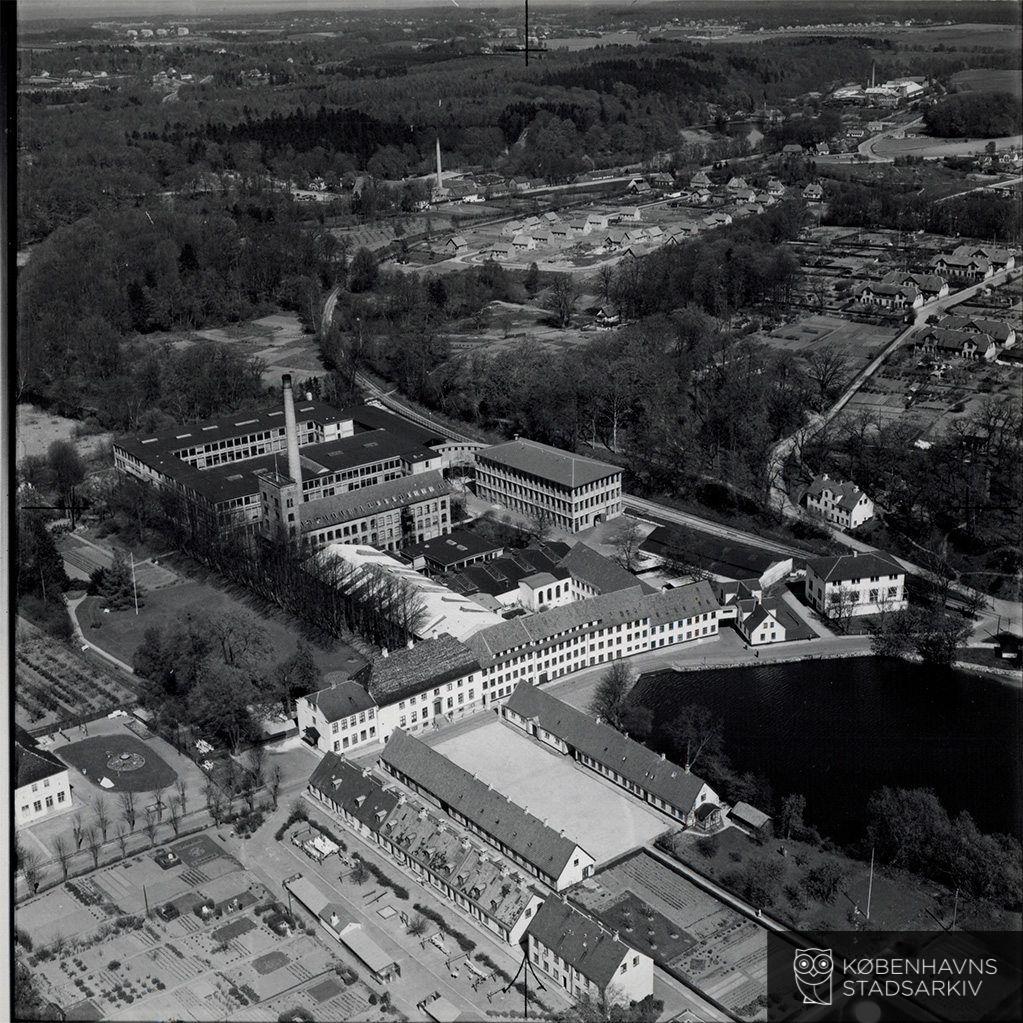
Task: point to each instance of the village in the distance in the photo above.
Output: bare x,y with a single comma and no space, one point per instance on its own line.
517,508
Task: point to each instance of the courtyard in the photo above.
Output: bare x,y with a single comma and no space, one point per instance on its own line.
603,819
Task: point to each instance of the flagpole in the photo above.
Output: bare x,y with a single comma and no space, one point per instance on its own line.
955,909
870,884
134,588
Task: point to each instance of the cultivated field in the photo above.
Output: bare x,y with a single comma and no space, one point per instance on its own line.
99,955
989,80
661,913
53,683
603,819
931,148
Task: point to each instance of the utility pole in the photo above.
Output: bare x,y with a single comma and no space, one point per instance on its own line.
525,968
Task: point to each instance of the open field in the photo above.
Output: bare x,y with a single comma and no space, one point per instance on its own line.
858,342
36,429
53,683
989,80
127,763
83,556
121,632
113,962
930,148
278,339
604,820
661,913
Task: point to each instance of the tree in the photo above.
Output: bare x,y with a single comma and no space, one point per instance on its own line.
216,806
359,874
62,850
561,299
30,868
68,472
182,791
219,705
128,808
757,882
29,1003
149,826
122,839
540,525
626,541
823,882
119,589
417,925
362,274
175,811
94,843
612,691
102,809
40,565
697,733
158,801
78,829
274,784
827,367
532,279
296,676
790,820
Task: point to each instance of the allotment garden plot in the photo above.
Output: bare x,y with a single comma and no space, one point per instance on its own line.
212,942
661,913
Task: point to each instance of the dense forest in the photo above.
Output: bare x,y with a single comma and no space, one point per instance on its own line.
975,114
90,288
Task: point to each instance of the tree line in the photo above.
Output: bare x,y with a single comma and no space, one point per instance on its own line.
975,114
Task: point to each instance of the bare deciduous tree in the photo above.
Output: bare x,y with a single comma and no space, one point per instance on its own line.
102,810
94,843
128,809
149,826
62,850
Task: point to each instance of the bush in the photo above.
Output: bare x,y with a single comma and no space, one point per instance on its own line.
372,998
823,882
113,965
22,938
298,813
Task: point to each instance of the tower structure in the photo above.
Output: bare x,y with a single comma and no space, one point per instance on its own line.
440,180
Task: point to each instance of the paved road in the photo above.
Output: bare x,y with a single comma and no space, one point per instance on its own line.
1010,183
866,147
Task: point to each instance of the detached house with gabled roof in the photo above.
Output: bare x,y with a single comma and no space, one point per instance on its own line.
855,584
890,296
969,269
842,504
929,285
42,786
1000,258
584,958
699,180
813,192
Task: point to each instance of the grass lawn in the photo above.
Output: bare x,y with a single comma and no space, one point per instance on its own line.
121,632
94,757
899,901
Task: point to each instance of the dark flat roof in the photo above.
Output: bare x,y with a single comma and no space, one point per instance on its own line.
165,442
456,546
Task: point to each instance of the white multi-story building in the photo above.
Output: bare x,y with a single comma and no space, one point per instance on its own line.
840,503
855,584
338,719
573,491
42,786
584,958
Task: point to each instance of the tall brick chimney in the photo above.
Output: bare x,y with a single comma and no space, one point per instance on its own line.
291,436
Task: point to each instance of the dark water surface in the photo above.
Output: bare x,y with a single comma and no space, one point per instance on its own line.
838,730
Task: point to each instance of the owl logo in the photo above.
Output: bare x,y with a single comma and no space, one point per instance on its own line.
813,968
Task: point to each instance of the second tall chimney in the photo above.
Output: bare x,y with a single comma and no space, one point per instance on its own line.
291,435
